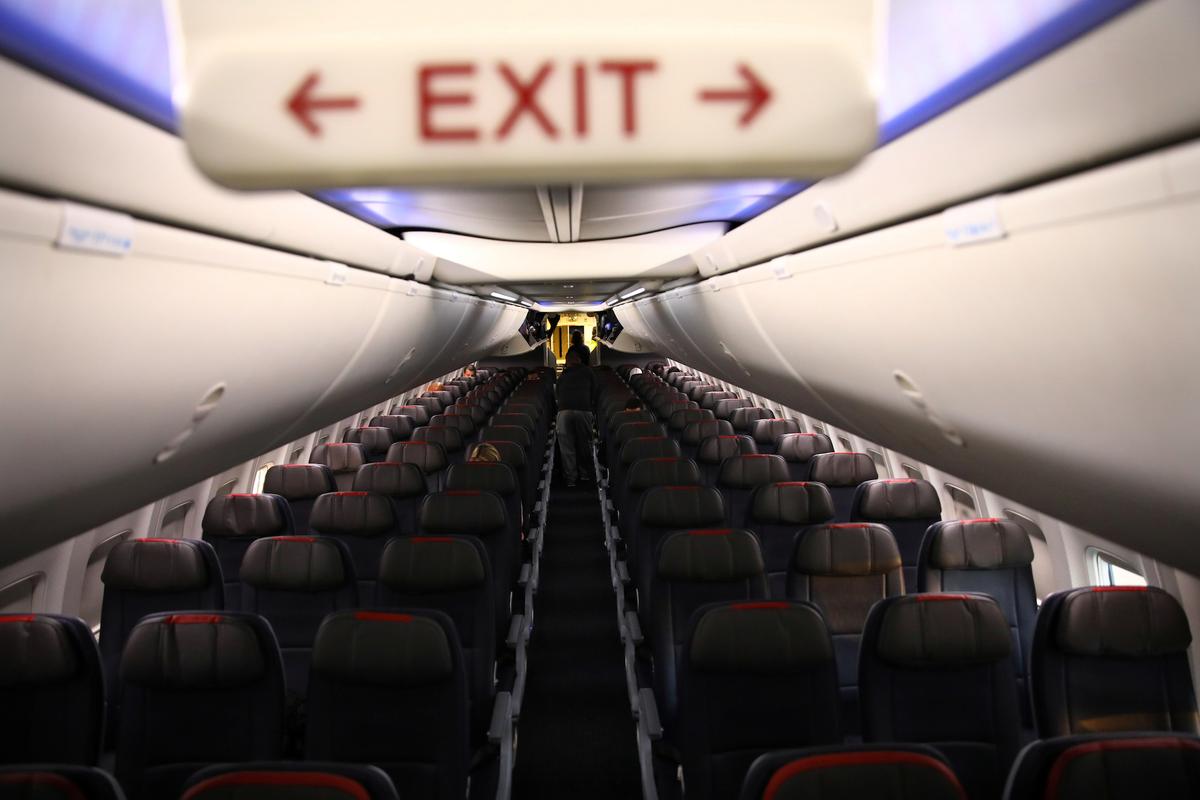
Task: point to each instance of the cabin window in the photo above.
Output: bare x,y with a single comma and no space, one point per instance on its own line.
819,429
296,455
92,599
226,488
1109,570
845,445
174,522
881,465
19,597
912,471
322,438
260,477
964,503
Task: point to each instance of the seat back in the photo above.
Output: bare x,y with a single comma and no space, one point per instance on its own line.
776,513
460,422
713,450
743,418
723,409
374,440
198,689
635,450
989,556
766,432
622,433
908,506
649,472
400,426
682,417
451,574
756,677
664,509
451,440
293,582
290,780
51,690
232,522
738,477
694,433
937,669
894,771
403,483
419,414
470,409
389,688
495,477
844,568
842,473
57,782
432,405
1112,658
1150,766
429,456
508,433
798,448
363,521
300,485
343,460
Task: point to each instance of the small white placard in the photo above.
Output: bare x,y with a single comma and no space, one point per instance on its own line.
339,274
95,230
969,223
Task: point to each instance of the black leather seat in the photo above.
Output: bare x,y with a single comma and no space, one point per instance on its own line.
343,460
526,469
723,409
429,456
713,450
495,477
649,472
842,474
57,782
681,418
993,557
389,688
198,689
664,509
937,669
451,574
766,432
51,691
1148,766
290,780
635,450
739,476
293,582
403,483
696,432
844,569
362,521
468,431
451,440
621,434
419,414
776,513
757,677
400,426
375,440
1112,658
300,485
232,522
908,506
743,418
798,448
891,771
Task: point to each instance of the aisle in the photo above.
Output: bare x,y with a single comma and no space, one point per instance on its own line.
576,735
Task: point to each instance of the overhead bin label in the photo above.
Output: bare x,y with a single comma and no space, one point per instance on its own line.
657,97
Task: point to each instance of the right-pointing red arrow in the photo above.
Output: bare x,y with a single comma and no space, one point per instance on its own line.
755,94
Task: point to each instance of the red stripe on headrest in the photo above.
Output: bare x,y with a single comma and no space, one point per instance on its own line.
158,539
852,525
802,765
1119,588
794,483
294,538
899,480
760,605
432,539
941,598
241,494
382,616
1054,780
843,453
340,444
711,532
17,618
194,619
321,780
979,519
414,442
754,455
33,778
350,494
297,466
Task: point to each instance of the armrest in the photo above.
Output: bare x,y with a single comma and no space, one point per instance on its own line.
516,631
622,572
633,626
502,717
649,714
526,572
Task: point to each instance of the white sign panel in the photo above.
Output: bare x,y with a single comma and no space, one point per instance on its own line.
333,94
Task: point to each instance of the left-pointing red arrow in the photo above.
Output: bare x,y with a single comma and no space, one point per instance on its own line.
301,104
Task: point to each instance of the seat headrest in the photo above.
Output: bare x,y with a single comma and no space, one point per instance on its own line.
382,648
245,515
665,471
391,478
682,507
299,481
714,555
425,564
157,565
846,549
1122,621
696,432
841,469
935,630
723,409
37,649
465,511
484,476
193,651
51,782
294,564
373,439
353,514
765,637
339,456
631,430
429,456
507,433
682,417
767,431
715,449
279,784
745,472
449,438
897,498
511,453
800,447
792,503
649,447
896,770
419,414
745,417
968,544
1094,765
460,422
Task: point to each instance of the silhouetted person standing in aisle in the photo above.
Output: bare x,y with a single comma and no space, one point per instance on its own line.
576,394
580,349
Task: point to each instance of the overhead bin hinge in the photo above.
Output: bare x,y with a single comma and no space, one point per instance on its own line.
95,230
339,274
